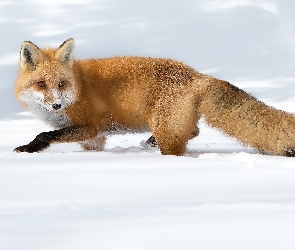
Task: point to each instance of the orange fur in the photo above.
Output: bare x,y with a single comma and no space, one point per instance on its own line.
161,95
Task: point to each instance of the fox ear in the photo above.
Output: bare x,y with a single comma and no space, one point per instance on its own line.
65,52
30,55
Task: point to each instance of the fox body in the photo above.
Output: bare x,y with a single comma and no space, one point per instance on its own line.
83,100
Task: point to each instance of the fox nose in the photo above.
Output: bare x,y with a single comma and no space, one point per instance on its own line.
56,106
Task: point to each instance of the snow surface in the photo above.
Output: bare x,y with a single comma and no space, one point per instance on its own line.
221,195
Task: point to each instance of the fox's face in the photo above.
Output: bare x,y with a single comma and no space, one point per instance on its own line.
49,88
46,82
46,78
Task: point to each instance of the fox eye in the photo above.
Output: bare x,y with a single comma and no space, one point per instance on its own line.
61,84
42,84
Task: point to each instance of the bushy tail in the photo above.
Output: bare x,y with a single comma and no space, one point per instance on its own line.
240,115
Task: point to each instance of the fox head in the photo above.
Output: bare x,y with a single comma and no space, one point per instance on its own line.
46,80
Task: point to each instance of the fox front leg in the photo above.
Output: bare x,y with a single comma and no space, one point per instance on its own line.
34,146
69,134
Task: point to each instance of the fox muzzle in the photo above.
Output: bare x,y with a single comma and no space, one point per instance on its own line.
56,106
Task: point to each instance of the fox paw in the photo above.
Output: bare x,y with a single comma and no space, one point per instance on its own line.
290,153
152,142
34,146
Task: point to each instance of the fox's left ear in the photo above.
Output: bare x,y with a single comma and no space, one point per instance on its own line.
30,56
65,52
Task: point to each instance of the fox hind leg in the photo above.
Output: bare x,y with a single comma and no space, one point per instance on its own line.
153,143
173,135
170,143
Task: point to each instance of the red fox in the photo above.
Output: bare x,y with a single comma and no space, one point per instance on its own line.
83,100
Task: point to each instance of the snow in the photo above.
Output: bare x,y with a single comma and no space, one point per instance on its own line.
221,195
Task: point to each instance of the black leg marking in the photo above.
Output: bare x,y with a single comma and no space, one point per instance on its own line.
152,141
290,153
34,146
43,140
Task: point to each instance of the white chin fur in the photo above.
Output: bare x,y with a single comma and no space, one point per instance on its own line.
44,111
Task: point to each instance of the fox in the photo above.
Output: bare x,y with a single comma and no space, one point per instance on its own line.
85,100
